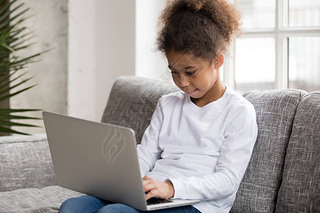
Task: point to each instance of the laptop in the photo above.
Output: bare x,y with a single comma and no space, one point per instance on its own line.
99,159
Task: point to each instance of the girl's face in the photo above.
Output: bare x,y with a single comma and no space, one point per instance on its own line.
197,77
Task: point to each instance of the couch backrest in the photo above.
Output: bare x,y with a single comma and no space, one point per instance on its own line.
132,102
300,188
275,111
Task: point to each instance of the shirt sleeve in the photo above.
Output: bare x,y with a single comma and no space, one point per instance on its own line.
236,150
149,150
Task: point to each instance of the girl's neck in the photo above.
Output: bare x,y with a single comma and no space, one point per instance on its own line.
215,93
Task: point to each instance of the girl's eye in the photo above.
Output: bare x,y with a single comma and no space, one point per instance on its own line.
189,73
174,73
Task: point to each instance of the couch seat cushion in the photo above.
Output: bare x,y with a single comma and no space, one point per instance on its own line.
35,200
25,163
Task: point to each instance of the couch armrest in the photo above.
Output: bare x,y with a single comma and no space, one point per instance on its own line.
25,162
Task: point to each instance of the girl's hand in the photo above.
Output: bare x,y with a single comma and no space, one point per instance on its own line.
155,188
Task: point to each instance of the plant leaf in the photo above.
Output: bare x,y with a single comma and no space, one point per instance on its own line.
9,130
17,117
9,88
11,123
8,110
14,94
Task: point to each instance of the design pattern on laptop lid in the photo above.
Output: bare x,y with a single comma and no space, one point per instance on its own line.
113,145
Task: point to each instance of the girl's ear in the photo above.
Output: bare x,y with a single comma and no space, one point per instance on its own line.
219,60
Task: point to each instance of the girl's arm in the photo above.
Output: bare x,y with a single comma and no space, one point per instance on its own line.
149,151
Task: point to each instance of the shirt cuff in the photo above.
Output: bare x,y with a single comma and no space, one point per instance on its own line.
179,188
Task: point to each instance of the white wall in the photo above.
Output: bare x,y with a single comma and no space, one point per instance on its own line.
101,48
149,62
108,39
81,58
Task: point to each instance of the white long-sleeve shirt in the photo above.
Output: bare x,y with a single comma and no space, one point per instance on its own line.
203,151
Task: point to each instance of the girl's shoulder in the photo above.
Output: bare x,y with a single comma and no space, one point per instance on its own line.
236,96
237,102
175,98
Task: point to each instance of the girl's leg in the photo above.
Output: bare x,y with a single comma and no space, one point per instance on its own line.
118,208
85,204
121,208
182,209
90,204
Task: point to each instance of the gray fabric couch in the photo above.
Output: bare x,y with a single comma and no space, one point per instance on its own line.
283,174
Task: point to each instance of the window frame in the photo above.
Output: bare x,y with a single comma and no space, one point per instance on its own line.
281,33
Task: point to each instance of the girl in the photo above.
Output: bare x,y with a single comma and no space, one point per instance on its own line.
200,140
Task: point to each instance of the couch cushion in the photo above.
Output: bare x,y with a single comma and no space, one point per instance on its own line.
25,162
275,112
33,200
132,102
300,188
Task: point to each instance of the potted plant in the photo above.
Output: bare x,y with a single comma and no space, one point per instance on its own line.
14,37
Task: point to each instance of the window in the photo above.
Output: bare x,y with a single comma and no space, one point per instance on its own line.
279,46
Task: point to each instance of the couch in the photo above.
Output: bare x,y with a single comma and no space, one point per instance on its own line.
283,174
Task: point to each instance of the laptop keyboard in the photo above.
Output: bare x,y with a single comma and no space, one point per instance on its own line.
155,200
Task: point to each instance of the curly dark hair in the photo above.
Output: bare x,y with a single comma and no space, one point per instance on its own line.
201,27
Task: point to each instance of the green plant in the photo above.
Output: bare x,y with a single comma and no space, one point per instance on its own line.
14,37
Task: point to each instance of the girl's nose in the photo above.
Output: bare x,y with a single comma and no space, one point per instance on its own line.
183,81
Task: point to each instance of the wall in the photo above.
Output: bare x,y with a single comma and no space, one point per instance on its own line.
150,63
101,48
115,46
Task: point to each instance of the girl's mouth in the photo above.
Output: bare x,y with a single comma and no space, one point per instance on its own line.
190,92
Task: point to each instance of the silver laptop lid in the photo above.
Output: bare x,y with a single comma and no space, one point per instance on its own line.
95,158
